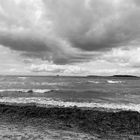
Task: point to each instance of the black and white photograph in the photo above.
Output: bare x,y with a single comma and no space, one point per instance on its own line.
69,69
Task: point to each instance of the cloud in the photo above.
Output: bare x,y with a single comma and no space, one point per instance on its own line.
68,31
96,25
23,43
56,69
125,57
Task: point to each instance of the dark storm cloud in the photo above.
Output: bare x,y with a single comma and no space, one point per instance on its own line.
19,43
59,57
96,24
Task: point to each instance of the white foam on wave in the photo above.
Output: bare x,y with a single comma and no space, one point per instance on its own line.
45,102
94,82
49,83
26,90
12,90
113,82
41,90
23,78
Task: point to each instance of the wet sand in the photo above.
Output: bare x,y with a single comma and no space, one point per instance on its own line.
40,123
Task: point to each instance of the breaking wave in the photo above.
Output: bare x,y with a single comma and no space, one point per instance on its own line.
113,82
49,102
26,90
49,83
108,81
22,78
94,82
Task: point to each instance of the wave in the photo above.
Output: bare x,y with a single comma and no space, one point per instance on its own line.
49,102
26,90
94,82
22,78
41,90
108,81
113,82
49,83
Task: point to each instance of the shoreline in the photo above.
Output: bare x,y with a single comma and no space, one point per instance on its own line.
96,108
95,122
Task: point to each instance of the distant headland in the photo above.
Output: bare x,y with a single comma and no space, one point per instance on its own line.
127,76
116,76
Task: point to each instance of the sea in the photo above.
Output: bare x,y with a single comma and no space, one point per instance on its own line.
108,93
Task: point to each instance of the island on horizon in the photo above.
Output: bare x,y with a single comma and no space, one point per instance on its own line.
127,76
116,76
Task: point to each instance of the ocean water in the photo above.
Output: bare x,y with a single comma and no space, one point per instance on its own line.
83,92
105,92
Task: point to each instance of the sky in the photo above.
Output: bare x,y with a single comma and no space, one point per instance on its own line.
70,37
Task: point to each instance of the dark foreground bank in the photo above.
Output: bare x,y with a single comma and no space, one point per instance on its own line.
95,122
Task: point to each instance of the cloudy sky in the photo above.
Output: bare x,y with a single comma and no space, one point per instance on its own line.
70,37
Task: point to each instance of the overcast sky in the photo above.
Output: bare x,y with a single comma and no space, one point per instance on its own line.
70,37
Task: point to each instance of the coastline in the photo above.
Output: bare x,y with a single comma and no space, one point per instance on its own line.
95,122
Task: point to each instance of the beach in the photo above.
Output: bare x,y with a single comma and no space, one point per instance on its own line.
32,122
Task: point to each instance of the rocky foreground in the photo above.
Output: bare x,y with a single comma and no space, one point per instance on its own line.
101,124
